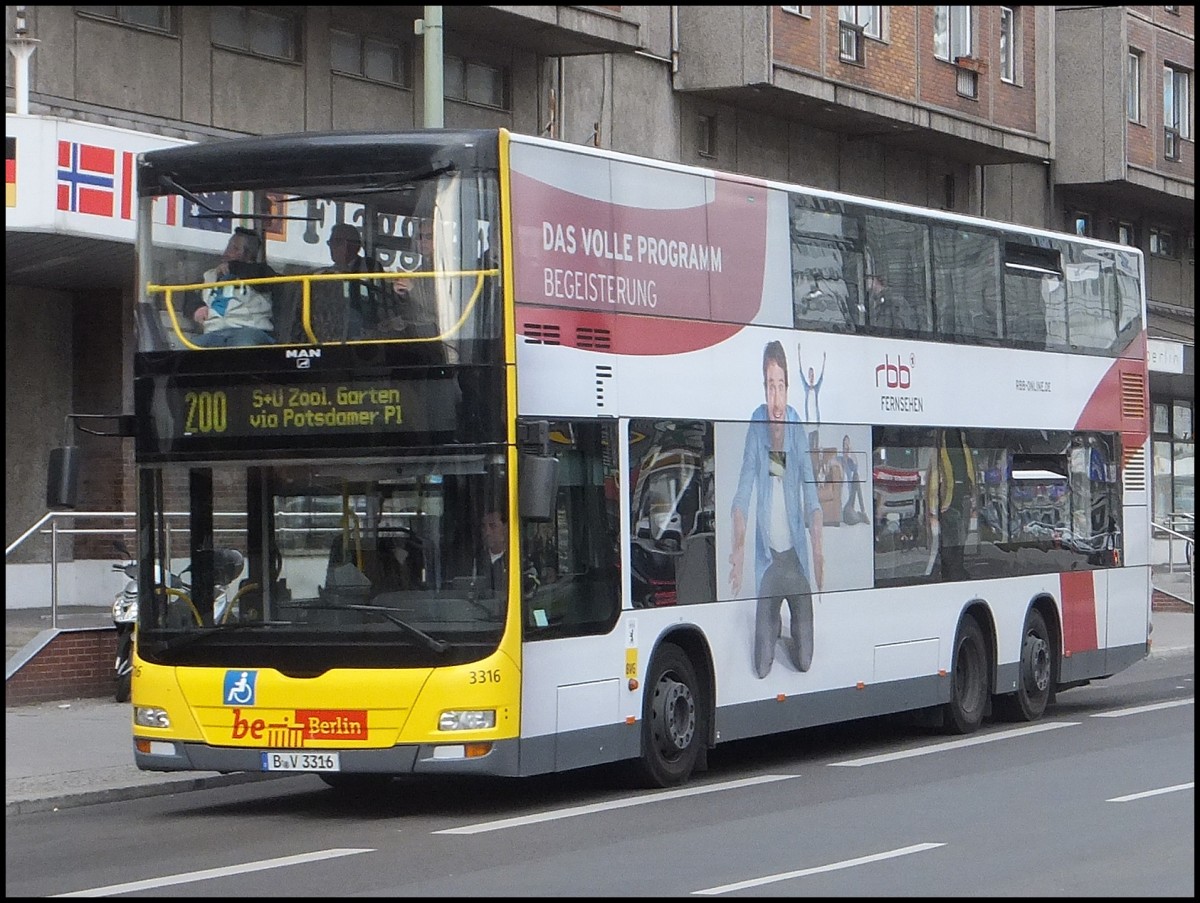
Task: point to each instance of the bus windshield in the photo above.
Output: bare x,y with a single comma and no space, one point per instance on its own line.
321,565
399,247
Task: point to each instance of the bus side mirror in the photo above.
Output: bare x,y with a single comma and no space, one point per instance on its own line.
539,487
62,477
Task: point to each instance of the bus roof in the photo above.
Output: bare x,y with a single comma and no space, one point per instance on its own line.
312,158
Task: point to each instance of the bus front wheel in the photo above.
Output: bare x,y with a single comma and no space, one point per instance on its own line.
969,679
1036,668
673,732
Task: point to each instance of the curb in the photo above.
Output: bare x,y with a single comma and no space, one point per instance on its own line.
140,791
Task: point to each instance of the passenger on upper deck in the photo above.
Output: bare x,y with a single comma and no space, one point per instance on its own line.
230,315
409,310
344,310
890,310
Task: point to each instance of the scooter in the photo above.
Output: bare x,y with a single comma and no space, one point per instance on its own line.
124,615
228,567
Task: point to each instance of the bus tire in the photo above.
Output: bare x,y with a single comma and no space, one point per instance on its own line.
673,732
1036,672
124,686
356,784
968,679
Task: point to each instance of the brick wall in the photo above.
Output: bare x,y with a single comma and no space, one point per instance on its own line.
75,663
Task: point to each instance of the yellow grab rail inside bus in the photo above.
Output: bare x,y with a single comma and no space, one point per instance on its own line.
306,279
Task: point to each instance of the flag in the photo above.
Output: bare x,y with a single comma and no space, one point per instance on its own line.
274,226
210,220
126,185
10,171
166,209
86,178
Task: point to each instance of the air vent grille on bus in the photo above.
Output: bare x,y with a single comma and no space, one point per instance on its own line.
604,373
1133,396
542,334
1133,469
593,338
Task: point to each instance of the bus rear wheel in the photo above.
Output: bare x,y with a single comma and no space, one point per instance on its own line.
969,679
673,732
1036,668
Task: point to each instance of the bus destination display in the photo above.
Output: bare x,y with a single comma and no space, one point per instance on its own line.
292,409
323,409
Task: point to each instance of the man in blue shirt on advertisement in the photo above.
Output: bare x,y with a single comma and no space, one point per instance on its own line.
776,466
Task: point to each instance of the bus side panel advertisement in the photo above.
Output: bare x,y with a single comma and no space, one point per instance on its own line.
640,240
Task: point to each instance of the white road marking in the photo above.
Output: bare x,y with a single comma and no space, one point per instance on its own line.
1137,710
623,803
1190,785
206,874
832,867
953,744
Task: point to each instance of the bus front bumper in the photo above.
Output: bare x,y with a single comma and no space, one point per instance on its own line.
502,759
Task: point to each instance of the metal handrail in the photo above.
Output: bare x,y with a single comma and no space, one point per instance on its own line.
55,531
1189,545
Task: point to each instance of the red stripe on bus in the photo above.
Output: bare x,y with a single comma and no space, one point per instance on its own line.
1078,611
622,334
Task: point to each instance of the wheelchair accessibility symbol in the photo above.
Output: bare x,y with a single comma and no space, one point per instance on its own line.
239,687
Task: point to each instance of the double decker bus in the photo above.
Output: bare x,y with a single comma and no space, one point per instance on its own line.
766,457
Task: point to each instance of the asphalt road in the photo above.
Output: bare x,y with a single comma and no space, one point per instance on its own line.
1097,799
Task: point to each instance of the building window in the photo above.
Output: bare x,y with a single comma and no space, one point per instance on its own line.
1008,45
156,18
1181,421
475,82
951,32
1174,450
869,17
1133,87
805,11
254,31
706,136
1177,107
1127,234
1081,223
367,57
1162,243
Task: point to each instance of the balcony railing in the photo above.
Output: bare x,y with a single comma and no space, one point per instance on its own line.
1171,143
851,44
967,70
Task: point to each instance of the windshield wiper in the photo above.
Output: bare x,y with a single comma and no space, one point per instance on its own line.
216,213
434,644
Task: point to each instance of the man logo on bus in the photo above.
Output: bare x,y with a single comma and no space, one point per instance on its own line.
303,356
240,687
897,375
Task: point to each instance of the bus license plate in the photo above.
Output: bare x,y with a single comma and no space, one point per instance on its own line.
300,761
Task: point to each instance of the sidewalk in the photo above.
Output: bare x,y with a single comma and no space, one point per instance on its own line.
78,752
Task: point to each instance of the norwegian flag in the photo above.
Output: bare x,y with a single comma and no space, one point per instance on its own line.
86,178
88,181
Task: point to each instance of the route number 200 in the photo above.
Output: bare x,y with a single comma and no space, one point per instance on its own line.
207,412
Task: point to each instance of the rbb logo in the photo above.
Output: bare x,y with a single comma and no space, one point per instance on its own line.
895,376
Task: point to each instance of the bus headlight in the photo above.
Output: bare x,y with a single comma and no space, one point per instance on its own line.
149,716
470,720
